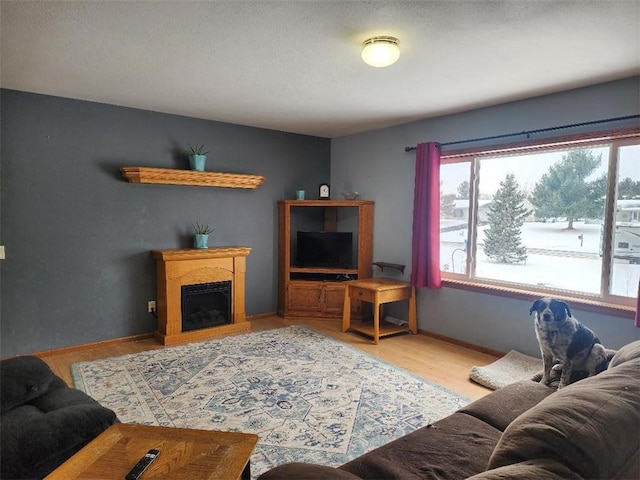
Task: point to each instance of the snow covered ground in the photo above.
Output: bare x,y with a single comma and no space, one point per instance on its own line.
574,264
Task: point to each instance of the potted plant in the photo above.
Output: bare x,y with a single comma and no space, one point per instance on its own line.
197,158
201,238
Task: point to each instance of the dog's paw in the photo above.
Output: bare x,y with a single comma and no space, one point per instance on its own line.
545,380
557,367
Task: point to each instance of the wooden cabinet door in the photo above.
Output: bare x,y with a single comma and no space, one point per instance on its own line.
304,296
333,299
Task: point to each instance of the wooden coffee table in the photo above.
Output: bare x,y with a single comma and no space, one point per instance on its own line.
184,454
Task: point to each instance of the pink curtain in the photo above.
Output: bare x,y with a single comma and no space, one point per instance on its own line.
425,245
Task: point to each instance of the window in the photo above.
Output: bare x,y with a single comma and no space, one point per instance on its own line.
560,218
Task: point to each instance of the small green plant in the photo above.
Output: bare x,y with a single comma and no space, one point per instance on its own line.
197,150
202,229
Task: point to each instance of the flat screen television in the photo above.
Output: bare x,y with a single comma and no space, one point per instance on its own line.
324,249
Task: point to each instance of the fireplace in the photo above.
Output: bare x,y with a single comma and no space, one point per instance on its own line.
205,305
200,293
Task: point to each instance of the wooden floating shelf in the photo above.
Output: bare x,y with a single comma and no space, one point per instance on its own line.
169,176
382,266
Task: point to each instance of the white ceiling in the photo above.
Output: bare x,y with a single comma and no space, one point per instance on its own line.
295,65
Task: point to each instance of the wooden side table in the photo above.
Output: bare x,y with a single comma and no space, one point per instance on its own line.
184,454
379,291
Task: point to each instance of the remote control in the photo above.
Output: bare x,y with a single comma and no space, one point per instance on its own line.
139,468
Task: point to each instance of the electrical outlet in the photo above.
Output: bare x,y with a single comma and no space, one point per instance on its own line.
151,306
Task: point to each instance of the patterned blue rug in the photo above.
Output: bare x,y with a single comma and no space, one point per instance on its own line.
307,396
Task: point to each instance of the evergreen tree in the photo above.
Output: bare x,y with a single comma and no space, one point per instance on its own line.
506,216
628,189
463,190
563,191
447,205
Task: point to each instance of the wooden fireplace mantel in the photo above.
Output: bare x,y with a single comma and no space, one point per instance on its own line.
177,254
178,267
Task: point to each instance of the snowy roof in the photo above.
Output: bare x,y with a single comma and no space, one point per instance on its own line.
464,203
633,204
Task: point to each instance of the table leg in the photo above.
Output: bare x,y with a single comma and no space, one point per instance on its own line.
376,319
413,321
246,473
346,310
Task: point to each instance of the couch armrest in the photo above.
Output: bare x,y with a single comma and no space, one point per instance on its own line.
33,442
23,379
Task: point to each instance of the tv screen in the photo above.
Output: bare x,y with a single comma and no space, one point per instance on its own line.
325,249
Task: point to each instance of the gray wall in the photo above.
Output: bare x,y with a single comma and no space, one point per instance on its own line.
78,237
375,164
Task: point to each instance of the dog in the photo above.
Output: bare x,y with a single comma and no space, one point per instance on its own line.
565,340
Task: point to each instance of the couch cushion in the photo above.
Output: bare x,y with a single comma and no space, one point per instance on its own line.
591,427
626,353
22,379
306,471
539,469
519,396
57,398
455,447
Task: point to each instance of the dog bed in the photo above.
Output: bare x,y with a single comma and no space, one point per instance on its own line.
511,368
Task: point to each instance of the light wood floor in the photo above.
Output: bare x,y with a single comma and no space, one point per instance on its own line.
438,361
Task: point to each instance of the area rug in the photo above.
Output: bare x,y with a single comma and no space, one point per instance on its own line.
513,367
308,397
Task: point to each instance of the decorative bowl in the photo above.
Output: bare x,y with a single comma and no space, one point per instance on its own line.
351,195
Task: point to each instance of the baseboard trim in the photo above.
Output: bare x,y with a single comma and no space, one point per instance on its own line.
115,341
144,336
260,316
92,345
460,343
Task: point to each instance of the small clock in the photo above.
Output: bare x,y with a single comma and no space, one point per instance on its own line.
324,191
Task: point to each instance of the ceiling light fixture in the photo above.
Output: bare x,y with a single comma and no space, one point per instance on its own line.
380,51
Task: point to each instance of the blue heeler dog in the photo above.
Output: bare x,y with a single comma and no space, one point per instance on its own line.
566,341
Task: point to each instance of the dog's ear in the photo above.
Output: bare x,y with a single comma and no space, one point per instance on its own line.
535,307
566,307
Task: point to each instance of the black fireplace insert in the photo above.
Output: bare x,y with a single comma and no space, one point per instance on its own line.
206,305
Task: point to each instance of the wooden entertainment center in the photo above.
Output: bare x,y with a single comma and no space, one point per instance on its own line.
319,291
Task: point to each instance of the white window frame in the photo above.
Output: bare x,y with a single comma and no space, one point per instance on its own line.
602,303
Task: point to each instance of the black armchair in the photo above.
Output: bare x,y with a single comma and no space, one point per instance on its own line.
43,421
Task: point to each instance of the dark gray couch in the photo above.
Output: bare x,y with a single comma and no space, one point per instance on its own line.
43,422
589,429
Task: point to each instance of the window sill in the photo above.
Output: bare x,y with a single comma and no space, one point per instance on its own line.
580,303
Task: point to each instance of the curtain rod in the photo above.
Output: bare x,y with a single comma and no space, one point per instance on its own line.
529,132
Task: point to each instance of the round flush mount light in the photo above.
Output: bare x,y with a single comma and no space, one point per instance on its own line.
380,51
